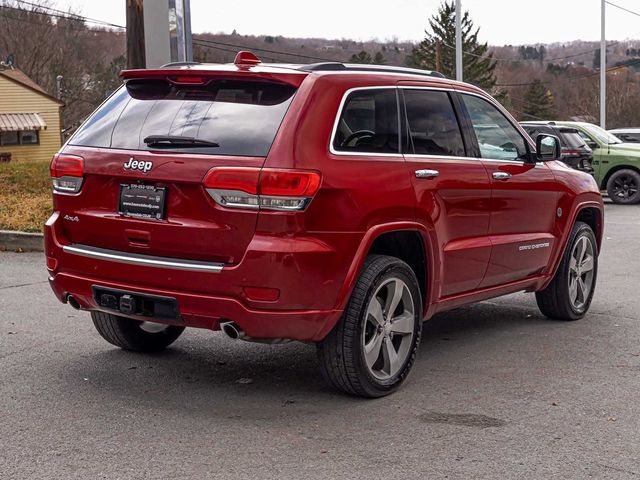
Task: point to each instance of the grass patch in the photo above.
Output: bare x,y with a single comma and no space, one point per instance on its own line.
25,196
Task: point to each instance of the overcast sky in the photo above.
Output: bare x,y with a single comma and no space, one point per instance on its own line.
501,22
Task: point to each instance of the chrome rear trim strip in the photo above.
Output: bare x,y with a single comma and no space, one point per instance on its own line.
144,260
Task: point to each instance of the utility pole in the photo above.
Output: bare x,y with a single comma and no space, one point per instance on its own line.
135,34
459,40
438,56
603,70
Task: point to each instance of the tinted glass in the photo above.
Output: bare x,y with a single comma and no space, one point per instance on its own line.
9,138
571,138
497,137
535,130
241,117
369,123
29,137
433,126
629,137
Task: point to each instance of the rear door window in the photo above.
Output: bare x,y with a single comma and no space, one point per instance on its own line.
241,117
432,123
369,123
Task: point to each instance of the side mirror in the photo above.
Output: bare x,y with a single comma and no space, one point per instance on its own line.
548,147
592,145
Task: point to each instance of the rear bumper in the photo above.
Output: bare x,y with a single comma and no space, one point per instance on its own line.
202,311
308,272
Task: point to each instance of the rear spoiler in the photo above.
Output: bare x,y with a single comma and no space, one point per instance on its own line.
202,74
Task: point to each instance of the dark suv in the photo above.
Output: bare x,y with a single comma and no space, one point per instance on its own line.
575,152
328,203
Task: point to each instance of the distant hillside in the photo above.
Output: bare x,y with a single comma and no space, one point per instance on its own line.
223,47
568,70
89,61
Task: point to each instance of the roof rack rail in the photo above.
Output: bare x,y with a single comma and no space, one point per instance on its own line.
179,64
359,67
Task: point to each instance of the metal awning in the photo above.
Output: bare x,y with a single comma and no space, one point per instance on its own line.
19,122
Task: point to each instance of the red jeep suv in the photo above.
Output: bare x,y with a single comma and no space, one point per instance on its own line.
327,203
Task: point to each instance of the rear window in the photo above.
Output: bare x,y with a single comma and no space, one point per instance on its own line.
241,117
571,138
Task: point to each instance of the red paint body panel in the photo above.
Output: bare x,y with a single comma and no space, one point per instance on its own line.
474,229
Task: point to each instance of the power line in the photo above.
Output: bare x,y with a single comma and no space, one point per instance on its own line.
56,15
623,8
70,14
198,42
31,22
516,60
631,63
299,55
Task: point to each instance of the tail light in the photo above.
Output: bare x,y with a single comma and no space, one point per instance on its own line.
570,152
266,189
67,173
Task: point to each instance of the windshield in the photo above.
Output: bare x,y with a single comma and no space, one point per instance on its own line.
224,117
601,134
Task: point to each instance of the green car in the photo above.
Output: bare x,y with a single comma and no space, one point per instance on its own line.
616,164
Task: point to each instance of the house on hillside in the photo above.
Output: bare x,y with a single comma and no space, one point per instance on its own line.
29,119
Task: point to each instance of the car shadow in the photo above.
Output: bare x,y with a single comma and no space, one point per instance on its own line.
211,375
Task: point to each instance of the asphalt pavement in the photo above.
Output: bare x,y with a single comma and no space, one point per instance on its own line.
498,392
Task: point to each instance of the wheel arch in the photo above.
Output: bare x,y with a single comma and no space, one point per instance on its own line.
593,217
590,212
408,246
382,239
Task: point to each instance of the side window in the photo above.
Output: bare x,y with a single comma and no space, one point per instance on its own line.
497,137
586,137
432,122
369,122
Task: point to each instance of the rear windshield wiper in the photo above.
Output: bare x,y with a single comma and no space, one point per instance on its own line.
177,141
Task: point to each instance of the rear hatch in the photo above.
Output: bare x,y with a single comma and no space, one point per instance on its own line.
147,149
575,151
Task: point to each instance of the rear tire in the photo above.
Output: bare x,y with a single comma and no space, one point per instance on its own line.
371,350
623,187
134,335
569,295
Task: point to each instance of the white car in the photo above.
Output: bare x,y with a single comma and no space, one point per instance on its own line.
627,135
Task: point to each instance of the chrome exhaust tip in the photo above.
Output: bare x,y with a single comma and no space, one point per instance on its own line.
232,330
73,302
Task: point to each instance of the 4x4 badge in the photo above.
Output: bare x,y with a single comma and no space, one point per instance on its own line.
133,164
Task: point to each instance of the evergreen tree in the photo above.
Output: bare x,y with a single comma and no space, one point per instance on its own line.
596,59
478,66
362,57
379,59
538,102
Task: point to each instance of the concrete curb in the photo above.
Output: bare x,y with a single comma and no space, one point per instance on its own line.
21,241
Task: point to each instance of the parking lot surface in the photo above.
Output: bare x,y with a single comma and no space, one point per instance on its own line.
498,392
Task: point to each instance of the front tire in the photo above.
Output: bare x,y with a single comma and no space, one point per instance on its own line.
569,295
623,187
371,350
134,335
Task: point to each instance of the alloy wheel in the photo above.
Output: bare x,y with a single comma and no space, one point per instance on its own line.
581,272
625,186
389,327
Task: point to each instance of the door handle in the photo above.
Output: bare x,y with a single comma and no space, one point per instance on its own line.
501,175
427,173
